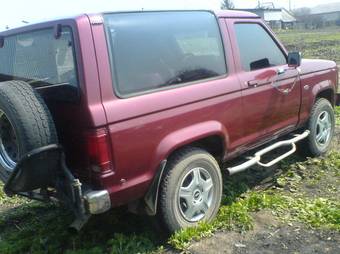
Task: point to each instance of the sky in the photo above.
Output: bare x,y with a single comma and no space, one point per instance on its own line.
14,13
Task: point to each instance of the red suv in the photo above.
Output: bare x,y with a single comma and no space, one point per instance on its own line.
142,108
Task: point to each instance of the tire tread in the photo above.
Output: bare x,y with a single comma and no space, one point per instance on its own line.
32,117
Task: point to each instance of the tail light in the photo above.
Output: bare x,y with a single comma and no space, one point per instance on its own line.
99,151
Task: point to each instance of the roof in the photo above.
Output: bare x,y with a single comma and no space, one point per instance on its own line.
261,9
235,14
287,16
218,13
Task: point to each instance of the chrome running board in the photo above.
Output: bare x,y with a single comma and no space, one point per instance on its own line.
256,160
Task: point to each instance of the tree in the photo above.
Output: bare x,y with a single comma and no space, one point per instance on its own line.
305,17
227,5
300,12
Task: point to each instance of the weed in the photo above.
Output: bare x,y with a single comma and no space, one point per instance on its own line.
337,115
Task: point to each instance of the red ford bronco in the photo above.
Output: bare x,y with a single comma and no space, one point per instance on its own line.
142,108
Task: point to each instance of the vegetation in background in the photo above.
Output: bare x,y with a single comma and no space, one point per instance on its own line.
227,5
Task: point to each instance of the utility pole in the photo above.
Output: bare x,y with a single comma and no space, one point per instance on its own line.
290,5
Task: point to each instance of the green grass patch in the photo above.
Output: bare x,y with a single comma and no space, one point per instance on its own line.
42,228
6,201
337,115
318,213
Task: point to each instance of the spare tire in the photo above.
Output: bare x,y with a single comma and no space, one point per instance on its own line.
25,124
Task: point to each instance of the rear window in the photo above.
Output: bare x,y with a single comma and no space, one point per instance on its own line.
161,49
38,58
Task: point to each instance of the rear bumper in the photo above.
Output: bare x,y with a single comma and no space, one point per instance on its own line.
97,202
43,175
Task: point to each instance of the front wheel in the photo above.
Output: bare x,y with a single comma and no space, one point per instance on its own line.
191,190
321,125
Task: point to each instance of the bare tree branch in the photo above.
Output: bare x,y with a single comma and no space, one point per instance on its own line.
227,5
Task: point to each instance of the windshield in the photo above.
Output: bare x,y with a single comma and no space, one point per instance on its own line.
38,58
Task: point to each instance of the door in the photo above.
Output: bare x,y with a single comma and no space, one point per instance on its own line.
270,89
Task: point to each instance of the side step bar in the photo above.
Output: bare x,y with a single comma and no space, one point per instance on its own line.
256,160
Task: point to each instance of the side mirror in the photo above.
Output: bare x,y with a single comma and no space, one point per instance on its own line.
294,59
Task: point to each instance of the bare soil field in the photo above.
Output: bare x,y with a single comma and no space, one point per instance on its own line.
318,44
293,207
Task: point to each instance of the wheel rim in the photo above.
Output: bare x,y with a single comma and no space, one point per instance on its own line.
195,195
323,129
9,148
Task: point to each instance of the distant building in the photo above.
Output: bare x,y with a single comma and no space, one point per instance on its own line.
277,18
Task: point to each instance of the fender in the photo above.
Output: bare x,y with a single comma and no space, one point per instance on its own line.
321,87
188,135
310,92
309,97
172,142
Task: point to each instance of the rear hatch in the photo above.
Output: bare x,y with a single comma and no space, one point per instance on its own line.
47,62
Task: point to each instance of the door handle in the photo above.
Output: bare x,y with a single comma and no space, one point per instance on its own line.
253,83
281,71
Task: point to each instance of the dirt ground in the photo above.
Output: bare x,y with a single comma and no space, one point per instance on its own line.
273,236
270,236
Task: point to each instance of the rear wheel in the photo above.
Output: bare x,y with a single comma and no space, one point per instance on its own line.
25,124
191,190
321,125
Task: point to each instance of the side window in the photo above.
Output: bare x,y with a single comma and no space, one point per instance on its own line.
257,48
161,49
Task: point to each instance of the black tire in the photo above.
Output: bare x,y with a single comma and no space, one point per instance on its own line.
311,146
25,116
178,170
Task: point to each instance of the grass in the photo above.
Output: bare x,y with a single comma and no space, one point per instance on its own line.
337,115
290,207
319,44
33,227
7,201
39,228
